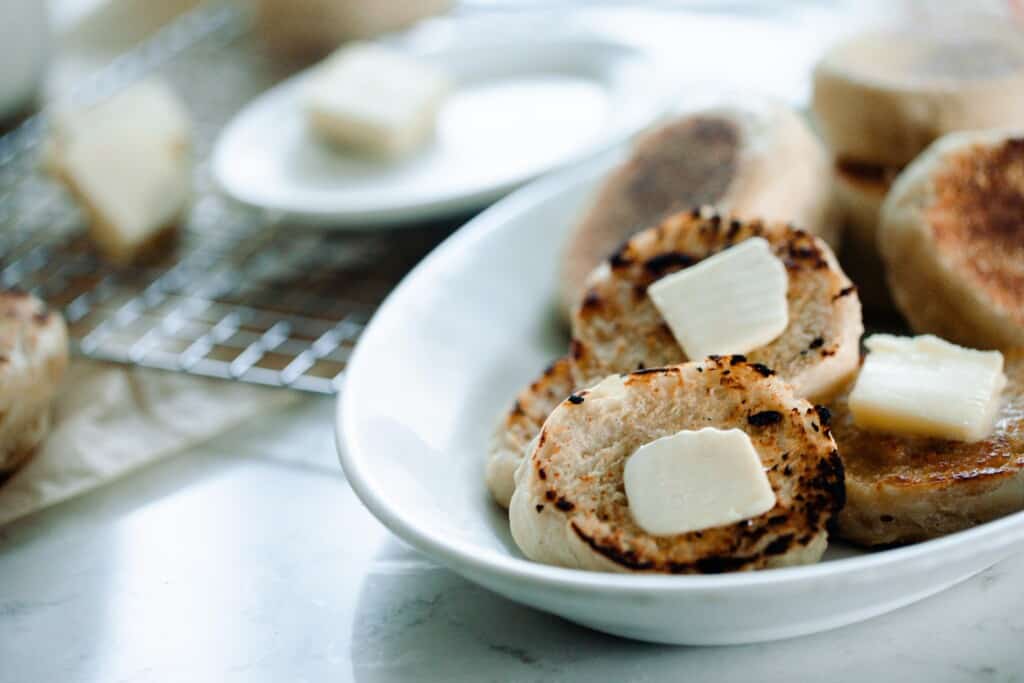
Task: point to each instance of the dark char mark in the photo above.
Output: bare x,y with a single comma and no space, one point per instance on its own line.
591,301
626,558
672,260
619,259
734,228
765,418
650,371
845,291
824,414
779,545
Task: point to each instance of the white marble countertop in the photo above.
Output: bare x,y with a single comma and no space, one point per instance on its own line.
250,559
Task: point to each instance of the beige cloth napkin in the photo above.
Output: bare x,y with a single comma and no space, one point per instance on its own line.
110,420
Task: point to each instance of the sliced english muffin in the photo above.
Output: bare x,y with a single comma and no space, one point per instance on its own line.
903,489
881,97
860,190
757,158
521,424
952,239
33,356
617,327
570,506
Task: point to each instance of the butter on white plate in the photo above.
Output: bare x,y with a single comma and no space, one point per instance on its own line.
128,160
732,302
695,480
926,386
375,100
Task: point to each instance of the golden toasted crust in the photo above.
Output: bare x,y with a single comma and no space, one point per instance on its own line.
977,219
570,505
33,356
902,489
617,327
521,424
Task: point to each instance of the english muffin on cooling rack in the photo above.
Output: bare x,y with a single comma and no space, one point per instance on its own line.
33,356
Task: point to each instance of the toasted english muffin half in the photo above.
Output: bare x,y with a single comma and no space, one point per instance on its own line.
881,97
570,506
33,357
617,328
952,239
860,190
755,158
521,424
904,489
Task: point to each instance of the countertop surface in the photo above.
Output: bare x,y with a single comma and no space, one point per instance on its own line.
250,558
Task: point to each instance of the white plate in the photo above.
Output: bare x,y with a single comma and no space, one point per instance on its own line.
523,104
444,355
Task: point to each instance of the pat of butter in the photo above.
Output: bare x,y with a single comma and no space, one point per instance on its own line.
375,100
611,386
695,480
732,302
926,386
128,160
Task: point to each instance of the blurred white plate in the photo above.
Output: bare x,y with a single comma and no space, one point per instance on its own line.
523,104
443,357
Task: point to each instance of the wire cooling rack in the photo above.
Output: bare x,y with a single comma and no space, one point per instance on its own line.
243,295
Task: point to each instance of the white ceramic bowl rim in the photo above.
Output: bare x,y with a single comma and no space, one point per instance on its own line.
913,558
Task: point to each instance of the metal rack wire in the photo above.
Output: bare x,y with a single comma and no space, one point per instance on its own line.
243,295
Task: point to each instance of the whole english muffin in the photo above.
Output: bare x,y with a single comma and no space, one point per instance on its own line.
33,356
952,239
882,96
617,327
756,159
903,489
570,507
521,424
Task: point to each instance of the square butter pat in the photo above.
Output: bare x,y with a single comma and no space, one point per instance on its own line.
925,386
128,159
732,302
375,100
695,480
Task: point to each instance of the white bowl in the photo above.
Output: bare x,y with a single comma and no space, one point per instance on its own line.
443,357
